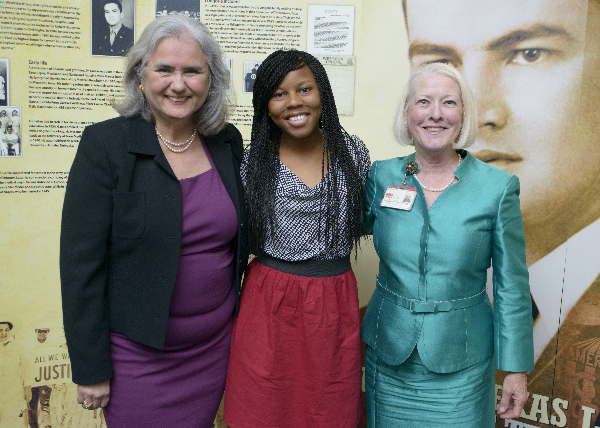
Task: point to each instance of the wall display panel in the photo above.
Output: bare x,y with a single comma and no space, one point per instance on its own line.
532,67
57,78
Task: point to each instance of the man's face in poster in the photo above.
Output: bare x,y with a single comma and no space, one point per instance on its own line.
4,332
113,14
524,61
42,334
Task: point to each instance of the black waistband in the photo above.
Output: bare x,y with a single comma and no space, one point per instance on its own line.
311,268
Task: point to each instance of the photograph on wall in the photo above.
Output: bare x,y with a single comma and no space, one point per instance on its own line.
330,30
35,377
526,73
229,64
250,69
10,132
341,71
3,82
113,31
533,69
189,8
13,405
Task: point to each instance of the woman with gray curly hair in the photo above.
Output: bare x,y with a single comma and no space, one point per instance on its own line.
153,239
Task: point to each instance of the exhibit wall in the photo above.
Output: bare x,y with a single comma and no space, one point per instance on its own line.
533,67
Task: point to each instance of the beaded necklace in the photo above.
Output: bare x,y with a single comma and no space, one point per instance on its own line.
443,188
171,145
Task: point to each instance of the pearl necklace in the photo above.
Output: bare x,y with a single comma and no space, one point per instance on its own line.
170,145
443,188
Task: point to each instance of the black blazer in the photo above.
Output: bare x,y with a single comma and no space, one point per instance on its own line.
123,41
121,238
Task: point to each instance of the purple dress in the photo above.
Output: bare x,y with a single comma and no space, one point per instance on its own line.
182,386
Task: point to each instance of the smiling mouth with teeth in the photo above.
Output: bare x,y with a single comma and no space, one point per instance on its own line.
295,118
432,128
177,99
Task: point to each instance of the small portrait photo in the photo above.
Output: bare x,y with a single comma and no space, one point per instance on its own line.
229,64
10,131
113,27
6,333
189,8
3,82
250,68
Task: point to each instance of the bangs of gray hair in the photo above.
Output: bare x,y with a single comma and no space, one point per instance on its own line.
211,117
468,130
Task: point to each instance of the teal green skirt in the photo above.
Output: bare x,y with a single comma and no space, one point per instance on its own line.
410,395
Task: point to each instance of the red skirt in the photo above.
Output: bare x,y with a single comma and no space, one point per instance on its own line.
295,352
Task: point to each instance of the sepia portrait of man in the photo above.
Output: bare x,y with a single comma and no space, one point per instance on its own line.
533,67
110,35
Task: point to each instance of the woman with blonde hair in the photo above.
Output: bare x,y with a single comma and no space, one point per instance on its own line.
439,218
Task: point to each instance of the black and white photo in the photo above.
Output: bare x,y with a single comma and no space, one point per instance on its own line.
113,31
250,68
10,131
229,64
3,82
189,8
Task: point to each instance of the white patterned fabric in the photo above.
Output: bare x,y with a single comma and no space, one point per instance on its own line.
298,221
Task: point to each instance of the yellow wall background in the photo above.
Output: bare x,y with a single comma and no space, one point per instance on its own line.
29,237
30,222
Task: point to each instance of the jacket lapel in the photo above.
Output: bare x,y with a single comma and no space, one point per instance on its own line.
143,141
220,152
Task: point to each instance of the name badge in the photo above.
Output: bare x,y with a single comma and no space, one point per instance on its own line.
400,198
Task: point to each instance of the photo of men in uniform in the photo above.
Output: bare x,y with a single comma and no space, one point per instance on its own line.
112,27
12,401
532,67
38,407
10,131
3,82
189,8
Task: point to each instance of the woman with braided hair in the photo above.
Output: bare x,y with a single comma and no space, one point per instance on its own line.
295,351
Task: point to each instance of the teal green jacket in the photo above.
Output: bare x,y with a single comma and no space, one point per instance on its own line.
434,262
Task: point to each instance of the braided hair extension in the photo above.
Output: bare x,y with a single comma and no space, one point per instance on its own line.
263,157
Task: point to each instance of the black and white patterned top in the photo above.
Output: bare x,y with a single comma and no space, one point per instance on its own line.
297,209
